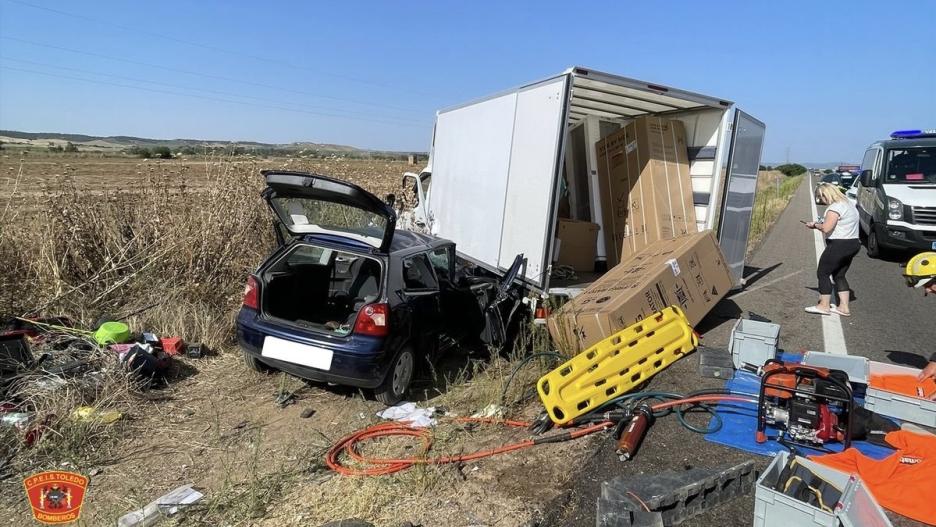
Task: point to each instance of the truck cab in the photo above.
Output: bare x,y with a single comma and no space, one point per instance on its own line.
897,193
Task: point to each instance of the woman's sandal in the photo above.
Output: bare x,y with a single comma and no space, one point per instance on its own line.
816,311
840,313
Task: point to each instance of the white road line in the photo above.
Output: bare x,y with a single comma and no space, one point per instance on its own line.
832,335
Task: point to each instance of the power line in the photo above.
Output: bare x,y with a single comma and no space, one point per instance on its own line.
217,49
200,74
176,86
167,92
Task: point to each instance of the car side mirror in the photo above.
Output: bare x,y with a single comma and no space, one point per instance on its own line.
865,178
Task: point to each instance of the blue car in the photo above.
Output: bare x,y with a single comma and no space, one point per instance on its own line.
348,299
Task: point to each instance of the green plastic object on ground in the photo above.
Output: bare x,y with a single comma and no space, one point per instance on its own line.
112,333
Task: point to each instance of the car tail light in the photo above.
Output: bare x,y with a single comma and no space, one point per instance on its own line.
373,320
252,293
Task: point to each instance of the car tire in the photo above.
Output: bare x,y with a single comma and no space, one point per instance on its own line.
253,363
399,377
874,243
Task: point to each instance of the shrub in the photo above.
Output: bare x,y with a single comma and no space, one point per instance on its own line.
139,151
791,169
162,152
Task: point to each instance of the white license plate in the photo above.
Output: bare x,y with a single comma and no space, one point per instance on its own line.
296,353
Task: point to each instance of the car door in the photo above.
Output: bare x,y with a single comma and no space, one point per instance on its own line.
462,309
868,187
422,301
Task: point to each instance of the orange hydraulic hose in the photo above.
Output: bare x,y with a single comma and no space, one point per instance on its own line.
376,466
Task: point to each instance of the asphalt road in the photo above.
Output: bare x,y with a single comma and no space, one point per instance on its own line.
890,323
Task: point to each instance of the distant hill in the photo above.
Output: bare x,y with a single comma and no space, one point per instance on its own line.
827,164
121,142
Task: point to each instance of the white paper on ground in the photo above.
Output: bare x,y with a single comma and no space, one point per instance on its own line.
409,413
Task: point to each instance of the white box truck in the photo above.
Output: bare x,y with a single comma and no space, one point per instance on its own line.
498,166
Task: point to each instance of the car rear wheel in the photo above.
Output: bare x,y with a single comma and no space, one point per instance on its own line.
394,387
254,364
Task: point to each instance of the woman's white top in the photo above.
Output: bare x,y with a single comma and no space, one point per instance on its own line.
847,226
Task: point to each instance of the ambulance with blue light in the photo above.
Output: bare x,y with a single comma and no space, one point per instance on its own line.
897,193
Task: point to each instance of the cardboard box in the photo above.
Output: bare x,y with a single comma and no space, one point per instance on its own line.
578,242
645,188
688,271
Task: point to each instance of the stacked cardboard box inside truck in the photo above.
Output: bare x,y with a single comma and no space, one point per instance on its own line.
644,183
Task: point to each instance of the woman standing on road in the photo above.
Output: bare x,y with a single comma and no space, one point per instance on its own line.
840,227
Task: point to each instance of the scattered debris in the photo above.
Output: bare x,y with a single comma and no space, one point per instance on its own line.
112,333
284,399
166,505
15,354
196,350
16,419
491,410
172,345
89,413
307,413
352,522
410,414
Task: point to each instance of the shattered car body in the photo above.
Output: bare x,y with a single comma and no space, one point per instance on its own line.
348,299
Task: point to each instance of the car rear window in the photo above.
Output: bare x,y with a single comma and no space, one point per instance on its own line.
305,215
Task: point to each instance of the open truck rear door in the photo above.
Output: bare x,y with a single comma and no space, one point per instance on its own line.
737,203
503,178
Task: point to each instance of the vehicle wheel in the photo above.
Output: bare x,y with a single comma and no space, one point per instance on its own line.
874,245
394,387
254,364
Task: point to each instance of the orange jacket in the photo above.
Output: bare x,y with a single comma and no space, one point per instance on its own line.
904,482
905,385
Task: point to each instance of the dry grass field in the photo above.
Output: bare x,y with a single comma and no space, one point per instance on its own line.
85,236
774,191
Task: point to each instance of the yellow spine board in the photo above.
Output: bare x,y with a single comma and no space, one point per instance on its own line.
616,365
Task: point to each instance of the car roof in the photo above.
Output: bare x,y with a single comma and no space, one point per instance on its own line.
902,143
409,241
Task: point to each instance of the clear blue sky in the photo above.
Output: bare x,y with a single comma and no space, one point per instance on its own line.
826,77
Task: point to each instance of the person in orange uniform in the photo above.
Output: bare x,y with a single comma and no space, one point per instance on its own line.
921,273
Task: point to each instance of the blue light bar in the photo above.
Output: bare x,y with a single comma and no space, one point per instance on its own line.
913,134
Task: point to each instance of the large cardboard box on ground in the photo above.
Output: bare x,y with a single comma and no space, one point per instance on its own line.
688,271
645,188
578,242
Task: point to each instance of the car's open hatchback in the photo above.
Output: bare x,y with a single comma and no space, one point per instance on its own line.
313,204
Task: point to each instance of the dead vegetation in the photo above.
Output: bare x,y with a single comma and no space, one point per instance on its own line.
174,242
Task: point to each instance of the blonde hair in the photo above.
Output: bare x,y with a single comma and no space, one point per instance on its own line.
829,193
